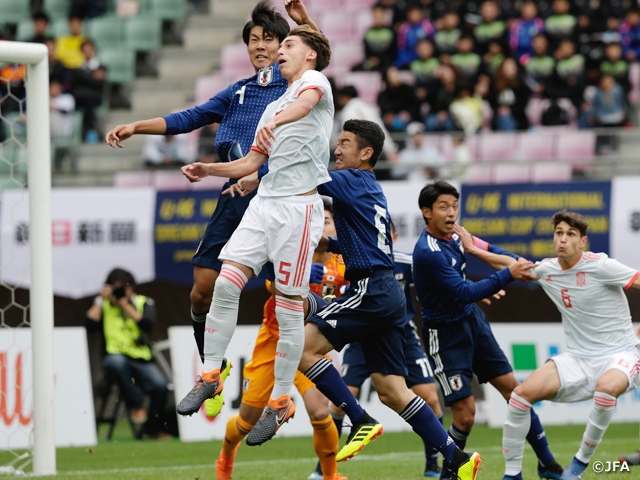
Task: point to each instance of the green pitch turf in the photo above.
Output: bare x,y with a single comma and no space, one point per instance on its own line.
393,456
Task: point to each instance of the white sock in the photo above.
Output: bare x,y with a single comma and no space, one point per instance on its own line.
290,316
514,433
223,315
598,422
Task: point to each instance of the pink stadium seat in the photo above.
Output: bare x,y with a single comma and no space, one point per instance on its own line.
542,172
534,110
326,4
346,55
576,145
478,173
535,146
361,23
368,84
487,115
337,26
131,178
473,144
169,180
209,183
634,78
357,5
234,56
497,146
209,86
511,173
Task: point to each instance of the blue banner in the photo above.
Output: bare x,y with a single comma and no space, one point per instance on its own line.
518,217
181,219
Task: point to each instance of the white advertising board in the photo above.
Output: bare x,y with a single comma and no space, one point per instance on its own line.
186,366
73,399
94,231
529,346
624,228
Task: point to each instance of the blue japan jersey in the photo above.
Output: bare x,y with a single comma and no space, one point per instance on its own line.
402,270
237,109
440,279
362,221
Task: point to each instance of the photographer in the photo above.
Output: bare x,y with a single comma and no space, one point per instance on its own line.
127,319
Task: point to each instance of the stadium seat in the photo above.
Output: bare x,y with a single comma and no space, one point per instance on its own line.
60,27
209,86
234,56
120,63
14,11
169,180
346,55
336,26
165,9
511,173
535,146
106,31
542,172
57,9
497,146
327,4
357,5
368,84
478,173
575,145
361,23
634,78
143,34
25,30
534,110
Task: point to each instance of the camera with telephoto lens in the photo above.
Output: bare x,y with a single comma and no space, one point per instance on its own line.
117,291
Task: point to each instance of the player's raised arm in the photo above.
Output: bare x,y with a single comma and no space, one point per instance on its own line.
298,13
494,256
242,167
153,126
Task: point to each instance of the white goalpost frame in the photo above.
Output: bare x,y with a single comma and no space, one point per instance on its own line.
35,56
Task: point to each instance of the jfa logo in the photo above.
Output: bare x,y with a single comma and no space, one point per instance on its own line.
607,467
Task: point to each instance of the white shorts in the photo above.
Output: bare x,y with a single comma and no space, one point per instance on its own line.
578,376
285,231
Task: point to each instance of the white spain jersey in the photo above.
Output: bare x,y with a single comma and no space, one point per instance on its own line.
300,155
595,312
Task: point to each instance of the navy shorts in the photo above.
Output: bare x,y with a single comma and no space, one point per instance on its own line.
459,349
372,312
355,371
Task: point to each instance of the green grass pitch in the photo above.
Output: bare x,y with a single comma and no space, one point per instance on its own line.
393,456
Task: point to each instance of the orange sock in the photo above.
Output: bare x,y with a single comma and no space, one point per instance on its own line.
237,429
326,442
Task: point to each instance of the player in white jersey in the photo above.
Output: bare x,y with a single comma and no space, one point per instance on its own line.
602,359
282,224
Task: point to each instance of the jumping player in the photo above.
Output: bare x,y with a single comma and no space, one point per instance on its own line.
602,360
459,338
282,224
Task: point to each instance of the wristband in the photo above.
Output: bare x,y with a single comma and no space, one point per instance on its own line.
98,301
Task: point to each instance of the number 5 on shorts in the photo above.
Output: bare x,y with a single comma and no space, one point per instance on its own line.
284,270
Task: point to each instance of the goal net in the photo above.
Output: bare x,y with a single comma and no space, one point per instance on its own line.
27,442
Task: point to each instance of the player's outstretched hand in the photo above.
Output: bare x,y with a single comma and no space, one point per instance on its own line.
119,135
195,171
265,136
495,296
296,10
465,237
520,270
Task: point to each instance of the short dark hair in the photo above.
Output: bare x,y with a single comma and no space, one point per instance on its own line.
430,193
573,219
348,91
272,23
368,134
40,16
317,42
327,202
120,275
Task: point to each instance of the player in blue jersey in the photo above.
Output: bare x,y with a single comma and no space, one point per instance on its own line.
373,310
420,376
237,109
459,338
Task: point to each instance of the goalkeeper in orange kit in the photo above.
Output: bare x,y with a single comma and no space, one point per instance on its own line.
327,277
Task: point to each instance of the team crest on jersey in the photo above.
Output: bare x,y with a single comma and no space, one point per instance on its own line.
581,279
265,76
456,382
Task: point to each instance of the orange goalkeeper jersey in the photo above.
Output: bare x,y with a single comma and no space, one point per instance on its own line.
332,280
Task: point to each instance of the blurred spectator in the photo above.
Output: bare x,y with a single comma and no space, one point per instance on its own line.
68,47
350,107
438,119
166,150
491,29
418,161
508,98
88,89
410,32
466,60
466,109
524,29
424,68
493,58
461,158
608,108
56,69
446,38
61,107
12,88
397,101
127,8
379,43
616,66
40,26
206,144
540,66
630,32
88,8
569,76
611,33
561,24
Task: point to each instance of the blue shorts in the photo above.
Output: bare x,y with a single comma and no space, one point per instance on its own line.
373,312
355,372
459,349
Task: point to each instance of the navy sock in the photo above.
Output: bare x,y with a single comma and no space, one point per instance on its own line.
330,383
459,436
198,322
425,423
430,451
315,303
538,440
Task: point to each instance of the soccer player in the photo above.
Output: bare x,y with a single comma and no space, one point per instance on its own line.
283,223
258,374
373,310
602,360
420,376
237,109
459,338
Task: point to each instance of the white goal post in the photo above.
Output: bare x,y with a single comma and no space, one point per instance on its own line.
35,56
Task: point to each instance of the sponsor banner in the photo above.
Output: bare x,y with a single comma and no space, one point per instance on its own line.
518,217
180,221
73,399
402,201
94,230
528,346
187,366
625,220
